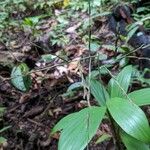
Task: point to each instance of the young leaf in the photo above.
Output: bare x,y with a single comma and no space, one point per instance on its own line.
130,118
78,128
141,97
99,92
75,86
31,21
123,79
132,143
102,138
2,140
19,77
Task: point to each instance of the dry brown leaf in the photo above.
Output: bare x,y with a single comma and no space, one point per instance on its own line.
73,28
24,98
57,111
75,50
15,45
56,136
74,65
62,70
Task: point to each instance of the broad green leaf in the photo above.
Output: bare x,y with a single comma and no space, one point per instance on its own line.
19,77
140,97
130,118
102,138
123,79
2,140
132,143
99,92
65,122
75,86
78,128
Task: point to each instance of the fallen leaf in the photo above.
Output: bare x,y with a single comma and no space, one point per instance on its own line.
74,65
73,28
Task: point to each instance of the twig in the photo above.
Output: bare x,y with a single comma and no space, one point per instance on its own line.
90,60
37,123
44,68
135,50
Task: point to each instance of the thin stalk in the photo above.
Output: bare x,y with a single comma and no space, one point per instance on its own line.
115,132
90,60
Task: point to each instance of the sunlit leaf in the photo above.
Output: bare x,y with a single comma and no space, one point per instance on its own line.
120,86
77,129
99,92
132,143
130,118
140,97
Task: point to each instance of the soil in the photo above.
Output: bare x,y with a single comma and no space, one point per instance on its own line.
32,115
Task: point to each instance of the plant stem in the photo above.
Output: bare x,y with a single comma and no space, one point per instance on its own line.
115,133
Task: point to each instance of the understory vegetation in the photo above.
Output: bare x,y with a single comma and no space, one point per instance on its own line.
75,75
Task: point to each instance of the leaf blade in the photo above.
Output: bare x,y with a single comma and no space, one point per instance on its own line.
19,77
130,118
99,92
74,133
123,79
132,143
140,97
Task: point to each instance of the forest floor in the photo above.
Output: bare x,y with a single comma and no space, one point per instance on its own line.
33,114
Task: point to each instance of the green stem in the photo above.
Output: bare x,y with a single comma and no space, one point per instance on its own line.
115,133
